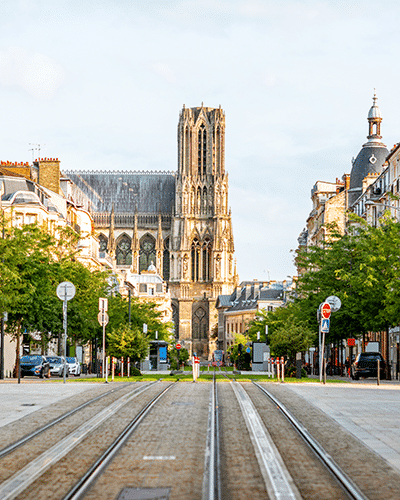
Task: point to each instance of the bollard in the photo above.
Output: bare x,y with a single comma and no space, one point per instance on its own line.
379,372
277,370
283,368
122,367
112,368
129,367
272,367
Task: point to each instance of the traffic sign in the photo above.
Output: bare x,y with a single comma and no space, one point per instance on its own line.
103,304
66,290
325,325
196,360
325,310
351,342
102,318
178,346
334,302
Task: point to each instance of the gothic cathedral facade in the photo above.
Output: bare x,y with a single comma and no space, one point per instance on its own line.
179,221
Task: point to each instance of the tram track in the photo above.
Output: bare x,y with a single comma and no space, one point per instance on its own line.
13,446
197,442
21,476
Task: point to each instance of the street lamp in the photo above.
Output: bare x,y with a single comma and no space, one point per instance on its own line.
130,287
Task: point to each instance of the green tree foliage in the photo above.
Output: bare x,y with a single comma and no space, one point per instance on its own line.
288,330
178,357
125,341
362,268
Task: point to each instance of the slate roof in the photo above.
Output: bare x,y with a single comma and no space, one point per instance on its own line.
151,192
369,161
256,293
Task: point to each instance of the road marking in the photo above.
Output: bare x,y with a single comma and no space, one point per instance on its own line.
279,484
159,457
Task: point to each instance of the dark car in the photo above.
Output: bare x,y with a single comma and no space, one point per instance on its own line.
35,365
366,365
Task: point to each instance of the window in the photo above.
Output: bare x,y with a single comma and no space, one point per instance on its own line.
147,252
30,218
142,288
151,290
123,251
195,254
202,150
166,260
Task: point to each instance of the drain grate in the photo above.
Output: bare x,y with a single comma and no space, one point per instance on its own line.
144,494
28,404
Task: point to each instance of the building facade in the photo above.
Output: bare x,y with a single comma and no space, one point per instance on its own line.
180,222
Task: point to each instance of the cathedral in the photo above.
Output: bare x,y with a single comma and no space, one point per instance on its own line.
179,222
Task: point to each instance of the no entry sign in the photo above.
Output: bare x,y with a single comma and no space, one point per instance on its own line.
178,346
326,310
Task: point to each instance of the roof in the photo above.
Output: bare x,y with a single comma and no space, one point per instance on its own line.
149,192
369,161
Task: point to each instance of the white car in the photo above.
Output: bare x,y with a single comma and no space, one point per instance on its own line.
57,365
74,366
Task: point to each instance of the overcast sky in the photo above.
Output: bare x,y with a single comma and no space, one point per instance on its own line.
100,85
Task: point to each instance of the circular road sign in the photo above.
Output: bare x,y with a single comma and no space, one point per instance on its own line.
102,318
66,290
326,310
334,302
178,346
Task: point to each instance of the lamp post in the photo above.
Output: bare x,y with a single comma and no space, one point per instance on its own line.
130,287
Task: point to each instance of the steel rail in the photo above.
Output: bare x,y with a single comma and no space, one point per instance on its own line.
5,451
19,481
347,484
101,463
211,489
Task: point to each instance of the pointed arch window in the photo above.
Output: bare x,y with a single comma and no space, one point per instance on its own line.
195,258
166,263
202,150
204,204
103,243
123,252
199,321
206,260
147,252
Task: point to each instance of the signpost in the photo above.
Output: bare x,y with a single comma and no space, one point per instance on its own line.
65,292
103,320
331,304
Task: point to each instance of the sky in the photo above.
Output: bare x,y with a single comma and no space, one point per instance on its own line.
100,84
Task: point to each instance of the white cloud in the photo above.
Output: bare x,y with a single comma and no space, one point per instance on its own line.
34,72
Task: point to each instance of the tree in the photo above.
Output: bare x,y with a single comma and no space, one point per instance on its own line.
178,357
125,341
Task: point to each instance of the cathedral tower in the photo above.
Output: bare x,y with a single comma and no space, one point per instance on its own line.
201,243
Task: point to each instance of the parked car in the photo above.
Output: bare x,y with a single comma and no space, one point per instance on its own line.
74,366
58,365
35,365
366,365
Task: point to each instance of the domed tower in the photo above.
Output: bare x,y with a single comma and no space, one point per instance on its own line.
372,155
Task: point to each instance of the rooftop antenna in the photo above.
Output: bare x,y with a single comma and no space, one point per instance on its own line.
36,147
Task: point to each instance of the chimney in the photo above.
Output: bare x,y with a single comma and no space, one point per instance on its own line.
49,173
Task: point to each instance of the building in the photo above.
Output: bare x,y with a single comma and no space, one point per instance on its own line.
25,200
237,310
333,200
180,221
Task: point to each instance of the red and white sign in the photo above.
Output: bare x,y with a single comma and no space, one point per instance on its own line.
325,310
178,346
196,360
351,342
